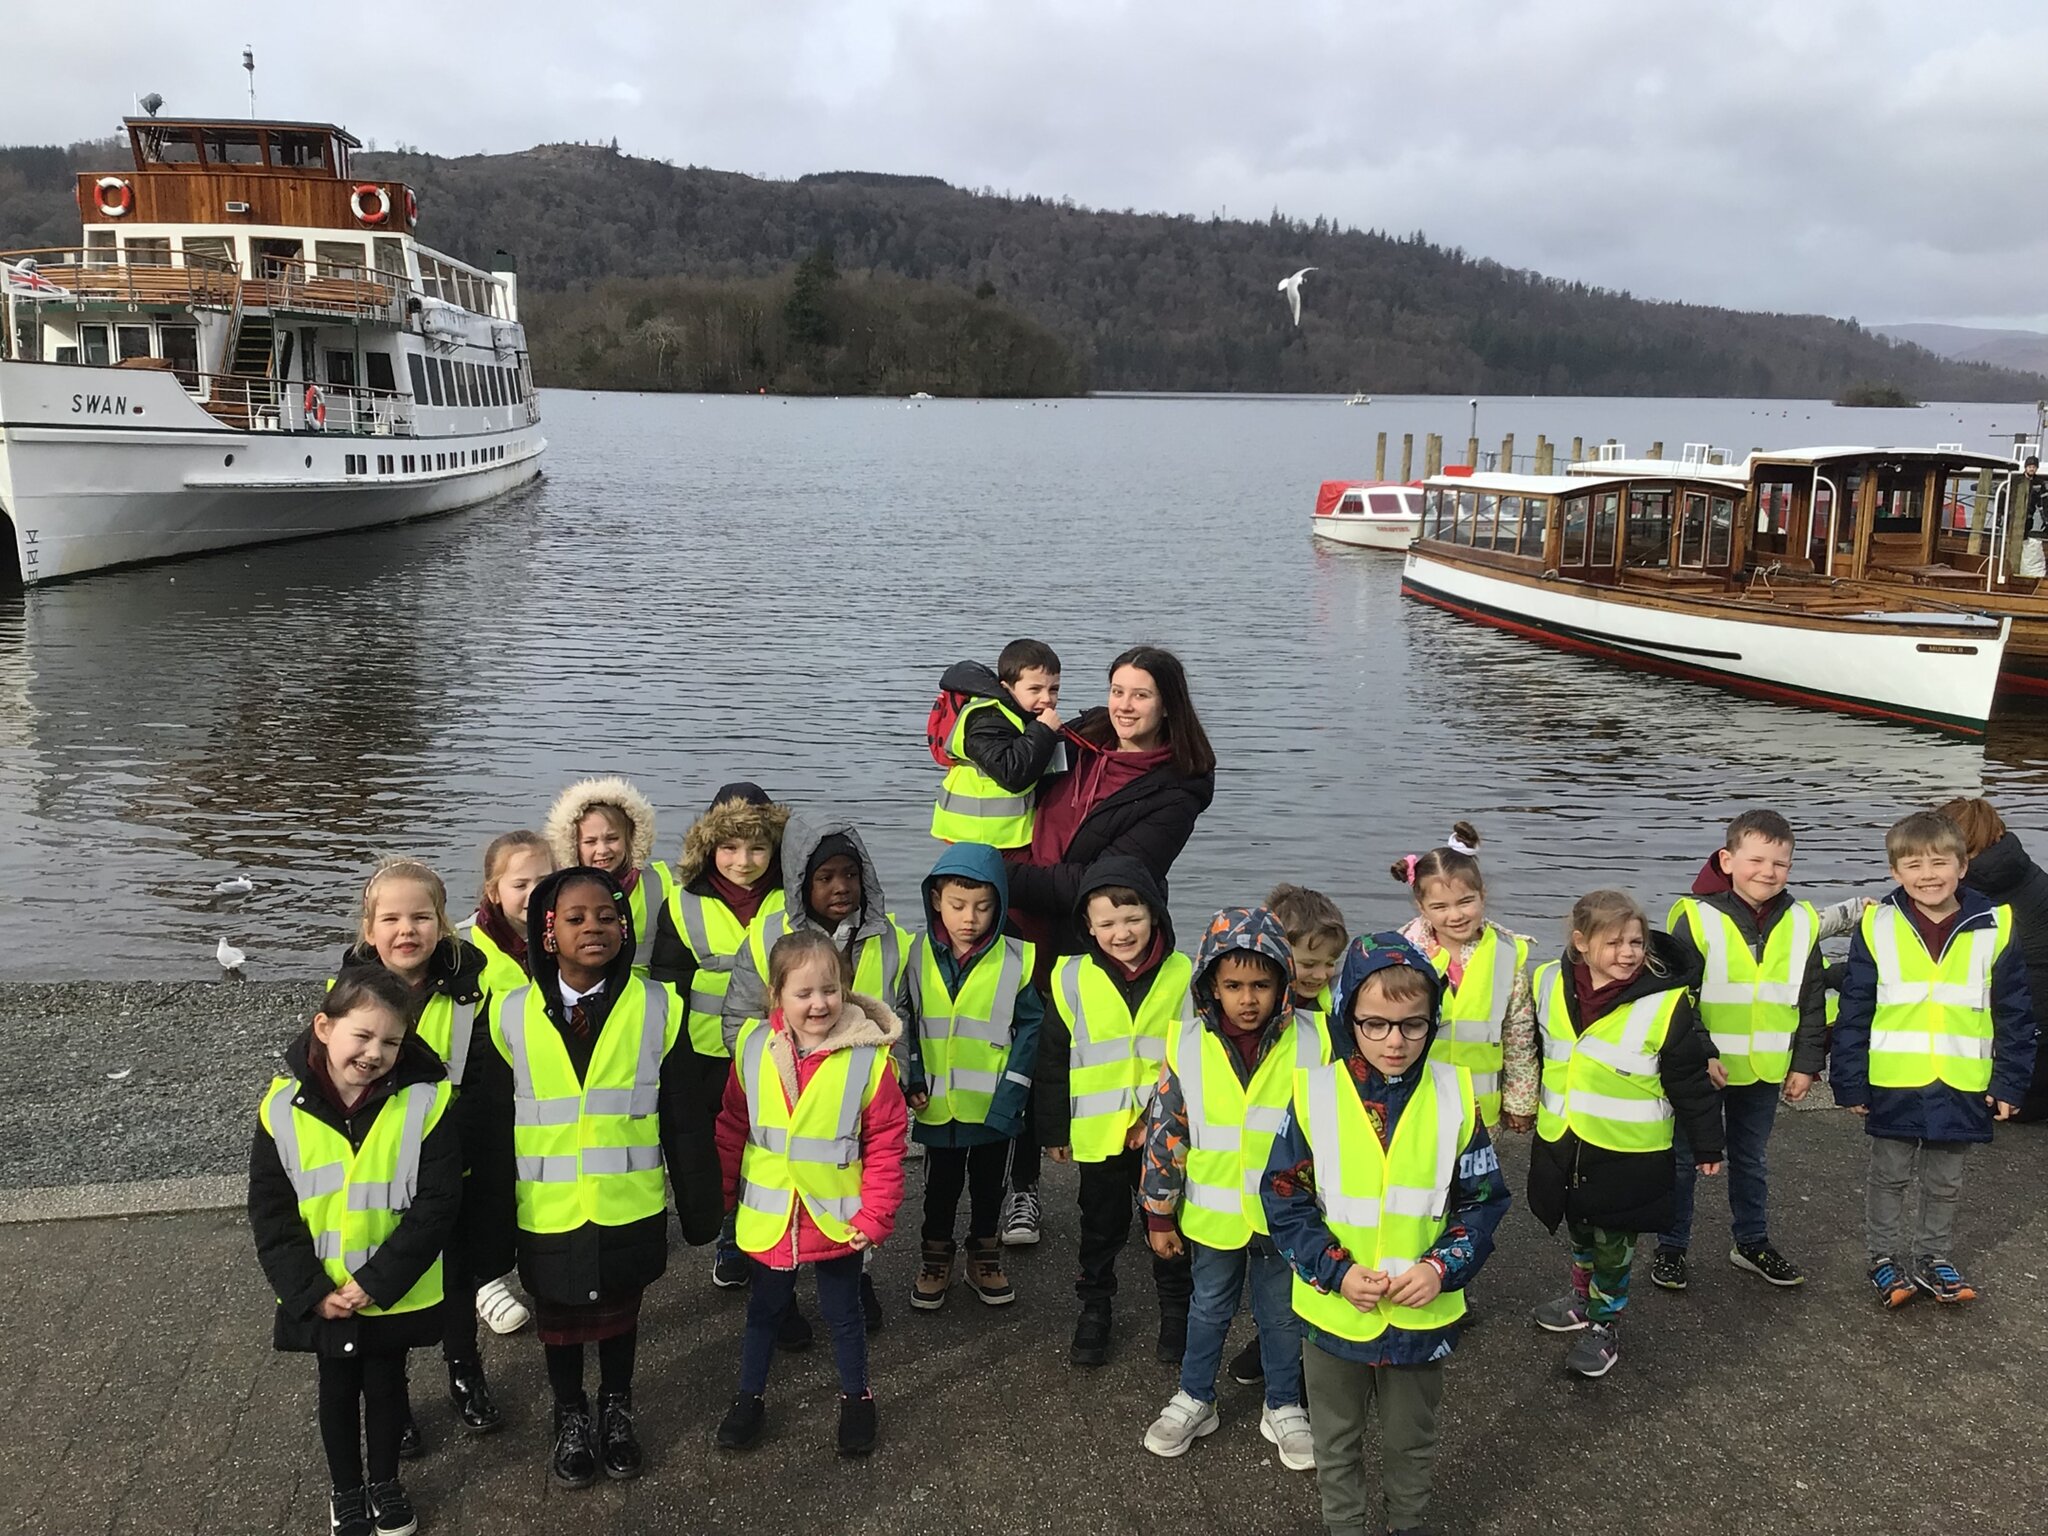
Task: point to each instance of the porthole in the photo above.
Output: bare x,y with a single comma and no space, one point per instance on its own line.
228,462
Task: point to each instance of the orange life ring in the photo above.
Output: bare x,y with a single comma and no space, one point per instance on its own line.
360,199
412,208
116,197
316,408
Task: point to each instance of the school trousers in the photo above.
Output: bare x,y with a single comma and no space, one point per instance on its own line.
1341,1397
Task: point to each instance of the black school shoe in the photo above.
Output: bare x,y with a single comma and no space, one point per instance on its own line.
1091,1335
391,1511
618,1448
741,1426
1247,1366
348,1512
471,1395
574,1462
856,1425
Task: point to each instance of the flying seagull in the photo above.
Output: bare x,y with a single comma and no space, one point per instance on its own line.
1291,286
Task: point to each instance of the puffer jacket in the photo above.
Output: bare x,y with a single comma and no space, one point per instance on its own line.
1632,1191
1935,1112
1016,759
978,862
883,1125
747,996
2008,876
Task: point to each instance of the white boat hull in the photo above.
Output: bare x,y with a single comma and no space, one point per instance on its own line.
107,467
1932,669
1369,532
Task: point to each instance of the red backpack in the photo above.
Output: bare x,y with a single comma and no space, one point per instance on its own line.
939,724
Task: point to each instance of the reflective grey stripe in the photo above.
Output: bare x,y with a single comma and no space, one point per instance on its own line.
704,1001
842,1207
621,1159
1913,1041
1607,1107
892,958
307,1183
1147,1047
860,1066
1016,1077
326,1245
1486,1031
1485,1084
1205,1133
1450,1119
356,1258
759,1197
1892,990
834,1151
397,1193
1617,1058
1106,1053
1718,986
1308,1041
563,1111
1227,1202
989,806
1324,1136
696,933
1407,1200
644,1097
1264,1118
548,1170
769,1138
1107,1102
461,1031
967,1080
648,889
750,1079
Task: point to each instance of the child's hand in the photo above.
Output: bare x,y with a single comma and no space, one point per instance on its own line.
1134,1138
1049,717
1166,1244
1716,1073
1859,1109
858,1241
333,1308
1364,1287
918,1100
356,1297
1060,1154
2000,1110
1707,1170
1797,1086
1521,1125
1415,1286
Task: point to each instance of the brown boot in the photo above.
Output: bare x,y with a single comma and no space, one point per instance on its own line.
985,1271
934,1276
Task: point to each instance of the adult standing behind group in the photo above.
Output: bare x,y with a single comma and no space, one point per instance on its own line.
2003,871
1141,772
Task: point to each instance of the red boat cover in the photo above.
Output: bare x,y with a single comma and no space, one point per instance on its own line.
1329,493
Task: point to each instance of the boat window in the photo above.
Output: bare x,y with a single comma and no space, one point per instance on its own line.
1386,504
1649,530
1535,511
446,371
1432,513
390,256
99,247
1959,502
1606,522
1468,511
299,151
1483,526
501,395
1845,532
165,145
92,344
1509,523
419,378
216,252
131,341
1900,498
338,258
1574,541
341,369
233,146
1692,531
1350,503
377,369
1721,531
147,250
180,345
465,385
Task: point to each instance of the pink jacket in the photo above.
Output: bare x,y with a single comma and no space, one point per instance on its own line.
884,1125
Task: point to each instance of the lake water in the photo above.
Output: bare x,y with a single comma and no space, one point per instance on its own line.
706,589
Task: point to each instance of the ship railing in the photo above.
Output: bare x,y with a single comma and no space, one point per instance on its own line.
337,289
82,275
285,405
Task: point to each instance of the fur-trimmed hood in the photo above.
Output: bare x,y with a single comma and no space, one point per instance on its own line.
863,1020
574,803
733,813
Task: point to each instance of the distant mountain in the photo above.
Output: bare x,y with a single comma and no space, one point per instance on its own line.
1144,301
2024,350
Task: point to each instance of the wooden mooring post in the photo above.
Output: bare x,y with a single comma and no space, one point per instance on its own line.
1407,457
1379,459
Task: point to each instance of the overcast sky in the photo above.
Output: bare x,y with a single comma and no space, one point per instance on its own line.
1881,159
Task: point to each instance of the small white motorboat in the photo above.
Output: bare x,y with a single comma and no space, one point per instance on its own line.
1375,514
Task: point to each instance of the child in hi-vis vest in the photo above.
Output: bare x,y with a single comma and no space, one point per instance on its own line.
354,1182
1383,1193
810,1139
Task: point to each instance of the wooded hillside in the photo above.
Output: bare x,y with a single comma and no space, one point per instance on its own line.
1145,301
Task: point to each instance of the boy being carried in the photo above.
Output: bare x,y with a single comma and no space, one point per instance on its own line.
1228,1076
1763,999
1004,739
1935,1041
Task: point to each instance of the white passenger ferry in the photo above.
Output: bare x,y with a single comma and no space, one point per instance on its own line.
250,345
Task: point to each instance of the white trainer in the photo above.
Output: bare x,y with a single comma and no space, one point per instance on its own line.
1180,1424
1288,1429
499,1309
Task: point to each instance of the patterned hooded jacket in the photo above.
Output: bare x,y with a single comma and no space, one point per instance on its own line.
1234,930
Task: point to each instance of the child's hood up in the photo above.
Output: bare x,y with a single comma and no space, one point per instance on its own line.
575,802
543,963
967,861
1241,930
815,835
1121,869
1366,957
738,811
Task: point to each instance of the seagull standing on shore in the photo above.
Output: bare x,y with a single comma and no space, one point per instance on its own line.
1291,286
230,958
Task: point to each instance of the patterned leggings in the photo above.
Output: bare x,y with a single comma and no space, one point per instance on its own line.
1600,1264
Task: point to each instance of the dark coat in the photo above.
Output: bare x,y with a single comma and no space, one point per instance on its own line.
1631,1191
1149,819
591,1262
1810,1040
2006,875
285,1248
1016,759
1936,1112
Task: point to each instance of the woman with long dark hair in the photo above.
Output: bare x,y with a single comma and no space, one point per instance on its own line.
2005,872
1142,771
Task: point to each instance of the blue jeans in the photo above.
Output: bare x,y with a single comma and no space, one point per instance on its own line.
1219,1275
1747,1112
773,1291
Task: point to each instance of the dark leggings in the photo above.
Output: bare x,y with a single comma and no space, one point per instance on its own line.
614,1367
773,1291
359,1399
1024,1153
980,1170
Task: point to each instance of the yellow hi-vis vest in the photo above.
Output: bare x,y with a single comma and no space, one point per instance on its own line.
965,1040
1605,1084
1231,1124
1114,1055
447,1028
588,1151
972,807
353,1198
647,895
1933,1018
809,1151
1384,1204
715,937
878,961
1749,1005
502,974
1470,1036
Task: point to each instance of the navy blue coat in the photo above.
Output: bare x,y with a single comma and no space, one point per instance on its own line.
1936,1112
